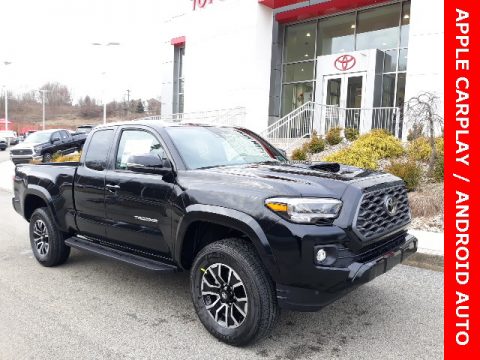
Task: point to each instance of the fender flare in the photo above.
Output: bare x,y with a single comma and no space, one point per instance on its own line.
43,194
227,217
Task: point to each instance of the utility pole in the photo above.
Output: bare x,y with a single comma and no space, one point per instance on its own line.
6,63
6,108
128,103
105,45
43,91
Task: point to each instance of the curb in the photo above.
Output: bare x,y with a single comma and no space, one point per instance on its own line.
425,261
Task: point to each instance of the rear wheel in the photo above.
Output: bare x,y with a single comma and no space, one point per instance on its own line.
47,157
233,295
47,241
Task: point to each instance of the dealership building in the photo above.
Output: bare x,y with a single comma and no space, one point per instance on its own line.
288,67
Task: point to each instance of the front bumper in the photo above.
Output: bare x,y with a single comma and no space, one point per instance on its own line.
306,299
24,159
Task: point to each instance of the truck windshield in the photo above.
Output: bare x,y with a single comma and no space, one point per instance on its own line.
204,147
39,137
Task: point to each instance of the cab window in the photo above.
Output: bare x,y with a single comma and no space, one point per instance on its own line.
97,152
137,142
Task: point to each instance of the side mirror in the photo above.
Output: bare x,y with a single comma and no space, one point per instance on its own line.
55,139
149,164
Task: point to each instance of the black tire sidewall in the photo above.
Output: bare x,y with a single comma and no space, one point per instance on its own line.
47,157
249,327
56,244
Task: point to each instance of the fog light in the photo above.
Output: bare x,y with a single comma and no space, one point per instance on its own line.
321,255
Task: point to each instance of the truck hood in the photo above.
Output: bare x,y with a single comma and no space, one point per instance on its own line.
25,145
273,179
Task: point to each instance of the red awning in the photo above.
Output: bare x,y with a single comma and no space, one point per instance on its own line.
307,10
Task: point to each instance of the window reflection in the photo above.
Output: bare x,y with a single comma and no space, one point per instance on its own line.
378,28
405,24
295,95
336,34
300,42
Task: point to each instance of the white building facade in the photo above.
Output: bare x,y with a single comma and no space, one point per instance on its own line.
262,62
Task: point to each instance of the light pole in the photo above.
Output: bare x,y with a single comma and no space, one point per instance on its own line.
6,63
43,91
104,73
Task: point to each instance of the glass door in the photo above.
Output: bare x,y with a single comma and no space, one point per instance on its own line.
354,101
343,97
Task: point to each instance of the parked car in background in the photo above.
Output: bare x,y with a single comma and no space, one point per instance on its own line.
10,136
84,129
41,145
3,144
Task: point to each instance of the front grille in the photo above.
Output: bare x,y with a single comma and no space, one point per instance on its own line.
373,219
21,152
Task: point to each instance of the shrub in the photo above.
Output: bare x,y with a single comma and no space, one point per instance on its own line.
409,171
334,136
299,154
419,149
415,132
438,170
359,157
382,144
425,201
64,158
351,134
316,144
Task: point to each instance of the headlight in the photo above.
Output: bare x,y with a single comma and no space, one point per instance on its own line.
305,210
37,149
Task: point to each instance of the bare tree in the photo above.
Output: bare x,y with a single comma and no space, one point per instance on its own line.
422,112
57,94
154,106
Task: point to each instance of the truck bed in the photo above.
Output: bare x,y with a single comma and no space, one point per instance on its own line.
51,180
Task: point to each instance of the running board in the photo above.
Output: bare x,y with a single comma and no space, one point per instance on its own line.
146,263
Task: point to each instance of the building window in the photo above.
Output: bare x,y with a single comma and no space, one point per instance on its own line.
178,80
385,28
336,34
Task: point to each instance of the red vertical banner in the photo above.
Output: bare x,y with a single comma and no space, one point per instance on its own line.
462,216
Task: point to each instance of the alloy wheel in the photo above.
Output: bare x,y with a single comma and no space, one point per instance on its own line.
40,237
224,295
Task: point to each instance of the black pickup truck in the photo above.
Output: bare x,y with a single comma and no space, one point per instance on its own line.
41,145
256,232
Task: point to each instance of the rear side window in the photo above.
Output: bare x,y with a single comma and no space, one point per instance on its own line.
97,152
64,135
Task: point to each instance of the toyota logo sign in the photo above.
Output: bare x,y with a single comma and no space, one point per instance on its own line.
345,62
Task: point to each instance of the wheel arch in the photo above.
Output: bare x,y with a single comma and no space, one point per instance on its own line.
218,218
36,197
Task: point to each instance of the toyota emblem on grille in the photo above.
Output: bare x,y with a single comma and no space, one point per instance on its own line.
390,205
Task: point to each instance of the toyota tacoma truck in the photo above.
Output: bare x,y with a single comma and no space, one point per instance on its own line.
256,232
41,145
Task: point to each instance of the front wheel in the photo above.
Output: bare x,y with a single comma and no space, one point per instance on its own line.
47,157
233,295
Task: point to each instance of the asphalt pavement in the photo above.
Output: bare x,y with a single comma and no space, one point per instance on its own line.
96,308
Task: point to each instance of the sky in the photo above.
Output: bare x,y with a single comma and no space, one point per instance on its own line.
51,40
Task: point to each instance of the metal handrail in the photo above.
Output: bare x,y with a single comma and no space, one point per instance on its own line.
233,117
311,116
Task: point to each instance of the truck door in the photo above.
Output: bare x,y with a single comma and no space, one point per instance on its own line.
137,205
89,185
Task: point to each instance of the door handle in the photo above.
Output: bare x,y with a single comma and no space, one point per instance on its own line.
112,187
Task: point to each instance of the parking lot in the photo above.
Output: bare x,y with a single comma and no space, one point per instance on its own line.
93,308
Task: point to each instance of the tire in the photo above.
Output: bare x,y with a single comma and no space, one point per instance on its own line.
47,241
261,304
47,157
